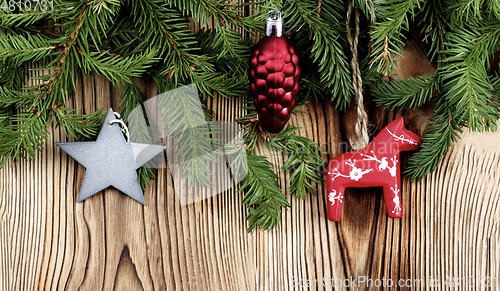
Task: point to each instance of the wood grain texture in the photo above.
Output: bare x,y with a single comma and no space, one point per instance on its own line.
110,242
48,241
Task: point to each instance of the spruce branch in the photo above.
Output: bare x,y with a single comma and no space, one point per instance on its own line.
263,196
13,77
434,24
326,52
369,8
115,68
9,97
185,126
310,89
333,11
464,11
26,131
303,162
444,129
78,126
465,95
105,6
17,49
465,77
223,84
235,153
19,19
251,129
397,94
251,132
228,52
255,22
61,80
217,70
130,100
222,12
229,43
494,8
166,29
123,39
23,136
386,33
495,82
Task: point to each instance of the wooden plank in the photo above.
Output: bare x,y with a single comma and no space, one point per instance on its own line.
110,242
48,241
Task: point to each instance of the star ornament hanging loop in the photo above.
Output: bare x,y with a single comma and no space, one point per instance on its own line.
111,161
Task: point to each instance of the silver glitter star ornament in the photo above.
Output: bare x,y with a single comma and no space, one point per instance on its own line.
111,161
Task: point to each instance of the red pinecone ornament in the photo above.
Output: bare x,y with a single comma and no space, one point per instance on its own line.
274,76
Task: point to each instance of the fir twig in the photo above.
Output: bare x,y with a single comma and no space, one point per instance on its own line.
369,7
18,49
250,124
443,130
303,162
222,12
434,25
23,137
464,77
386,33
17,19
186,127
117,69
465,95
326,51
132,101
263,196
397,94
78,125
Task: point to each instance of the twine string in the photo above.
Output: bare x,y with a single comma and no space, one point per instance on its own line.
362,139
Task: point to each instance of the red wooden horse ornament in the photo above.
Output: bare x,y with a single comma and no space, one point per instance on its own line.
375,165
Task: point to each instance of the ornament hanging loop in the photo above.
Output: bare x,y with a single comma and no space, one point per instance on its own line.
274,25
123,126
362,138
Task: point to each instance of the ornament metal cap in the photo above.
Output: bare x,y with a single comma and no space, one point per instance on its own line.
274,25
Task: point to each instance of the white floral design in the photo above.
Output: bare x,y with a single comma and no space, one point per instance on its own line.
337,174
355,174
332,197
383,164
396,199
392,170
402,138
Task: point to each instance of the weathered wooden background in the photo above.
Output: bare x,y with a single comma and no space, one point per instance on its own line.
110,242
